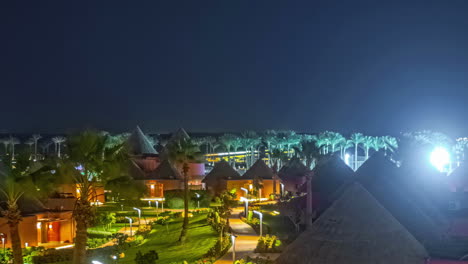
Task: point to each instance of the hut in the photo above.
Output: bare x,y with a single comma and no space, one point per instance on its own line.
293,175
384,181
258,174
216,181
164,177
329,178
356,229
142,151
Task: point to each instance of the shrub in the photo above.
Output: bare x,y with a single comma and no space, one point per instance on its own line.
268,244
147,258
176,203
204,199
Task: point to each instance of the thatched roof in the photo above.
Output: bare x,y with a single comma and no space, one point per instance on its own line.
222,170
294,168
259,169
135,171
139,144
383,180
165,171
356,229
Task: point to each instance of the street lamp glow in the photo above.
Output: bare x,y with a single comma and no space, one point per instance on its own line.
282,188
260,215
198,200
96,262
440,158
130,220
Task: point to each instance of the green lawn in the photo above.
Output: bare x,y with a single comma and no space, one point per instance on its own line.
278,225
201,237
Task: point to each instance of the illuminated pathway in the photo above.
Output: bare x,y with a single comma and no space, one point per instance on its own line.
246,240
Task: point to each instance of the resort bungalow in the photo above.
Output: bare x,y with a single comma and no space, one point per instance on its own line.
216,181
329,177
293,175
355,229
41,226
259,175
415,209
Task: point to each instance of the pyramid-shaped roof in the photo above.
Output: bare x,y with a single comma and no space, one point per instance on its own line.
178,135
165,171
259,169
330,174
293,168
222,170
139,144
356,229
383,180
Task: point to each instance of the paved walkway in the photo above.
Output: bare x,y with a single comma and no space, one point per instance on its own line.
246,240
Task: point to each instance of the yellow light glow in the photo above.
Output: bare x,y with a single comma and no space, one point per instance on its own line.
50,226
152,186
250,186
39,225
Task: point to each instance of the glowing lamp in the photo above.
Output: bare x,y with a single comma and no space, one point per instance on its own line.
440,158
39,225
50,226
152,186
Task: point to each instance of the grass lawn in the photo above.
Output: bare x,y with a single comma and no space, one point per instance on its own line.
279,225
201,237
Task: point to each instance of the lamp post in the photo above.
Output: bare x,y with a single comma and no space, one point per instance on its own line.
121,207
282,189
233,240
157,208
246,201
139,214
198,200
131,221
149,203
245,190
260,215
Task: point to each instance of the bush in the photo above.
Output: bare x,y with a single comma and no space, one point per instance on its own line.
147,258
176,203
96,242
204,199
268,244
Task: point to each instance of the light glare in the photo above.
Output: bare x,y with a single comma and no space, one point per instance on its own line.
440,159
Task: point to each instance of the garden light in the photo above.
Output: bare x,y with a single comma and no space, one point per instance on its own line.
245,190
139,214
246,201
198,200
261,220
233,240
130,220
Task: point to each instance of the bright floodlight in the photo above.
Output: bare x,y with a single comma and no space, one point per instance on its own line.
440,158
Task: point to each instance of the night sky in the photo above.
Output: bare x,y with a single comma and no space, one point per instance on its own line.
378,67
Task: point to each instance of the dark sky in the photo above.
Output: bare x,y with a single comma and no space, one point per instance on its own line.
372,66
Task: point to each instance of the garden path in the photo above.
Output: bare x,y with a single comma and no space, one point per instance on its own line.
246,240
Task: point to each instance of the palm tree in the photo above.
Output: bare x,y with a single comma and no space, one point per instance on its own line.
250,140
368,143
390,143
344,146
89,163
356,138
309,152
270,137
227,141
13,141
335,140
15,182
6,143
183,152
36,138
58,141
30,143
